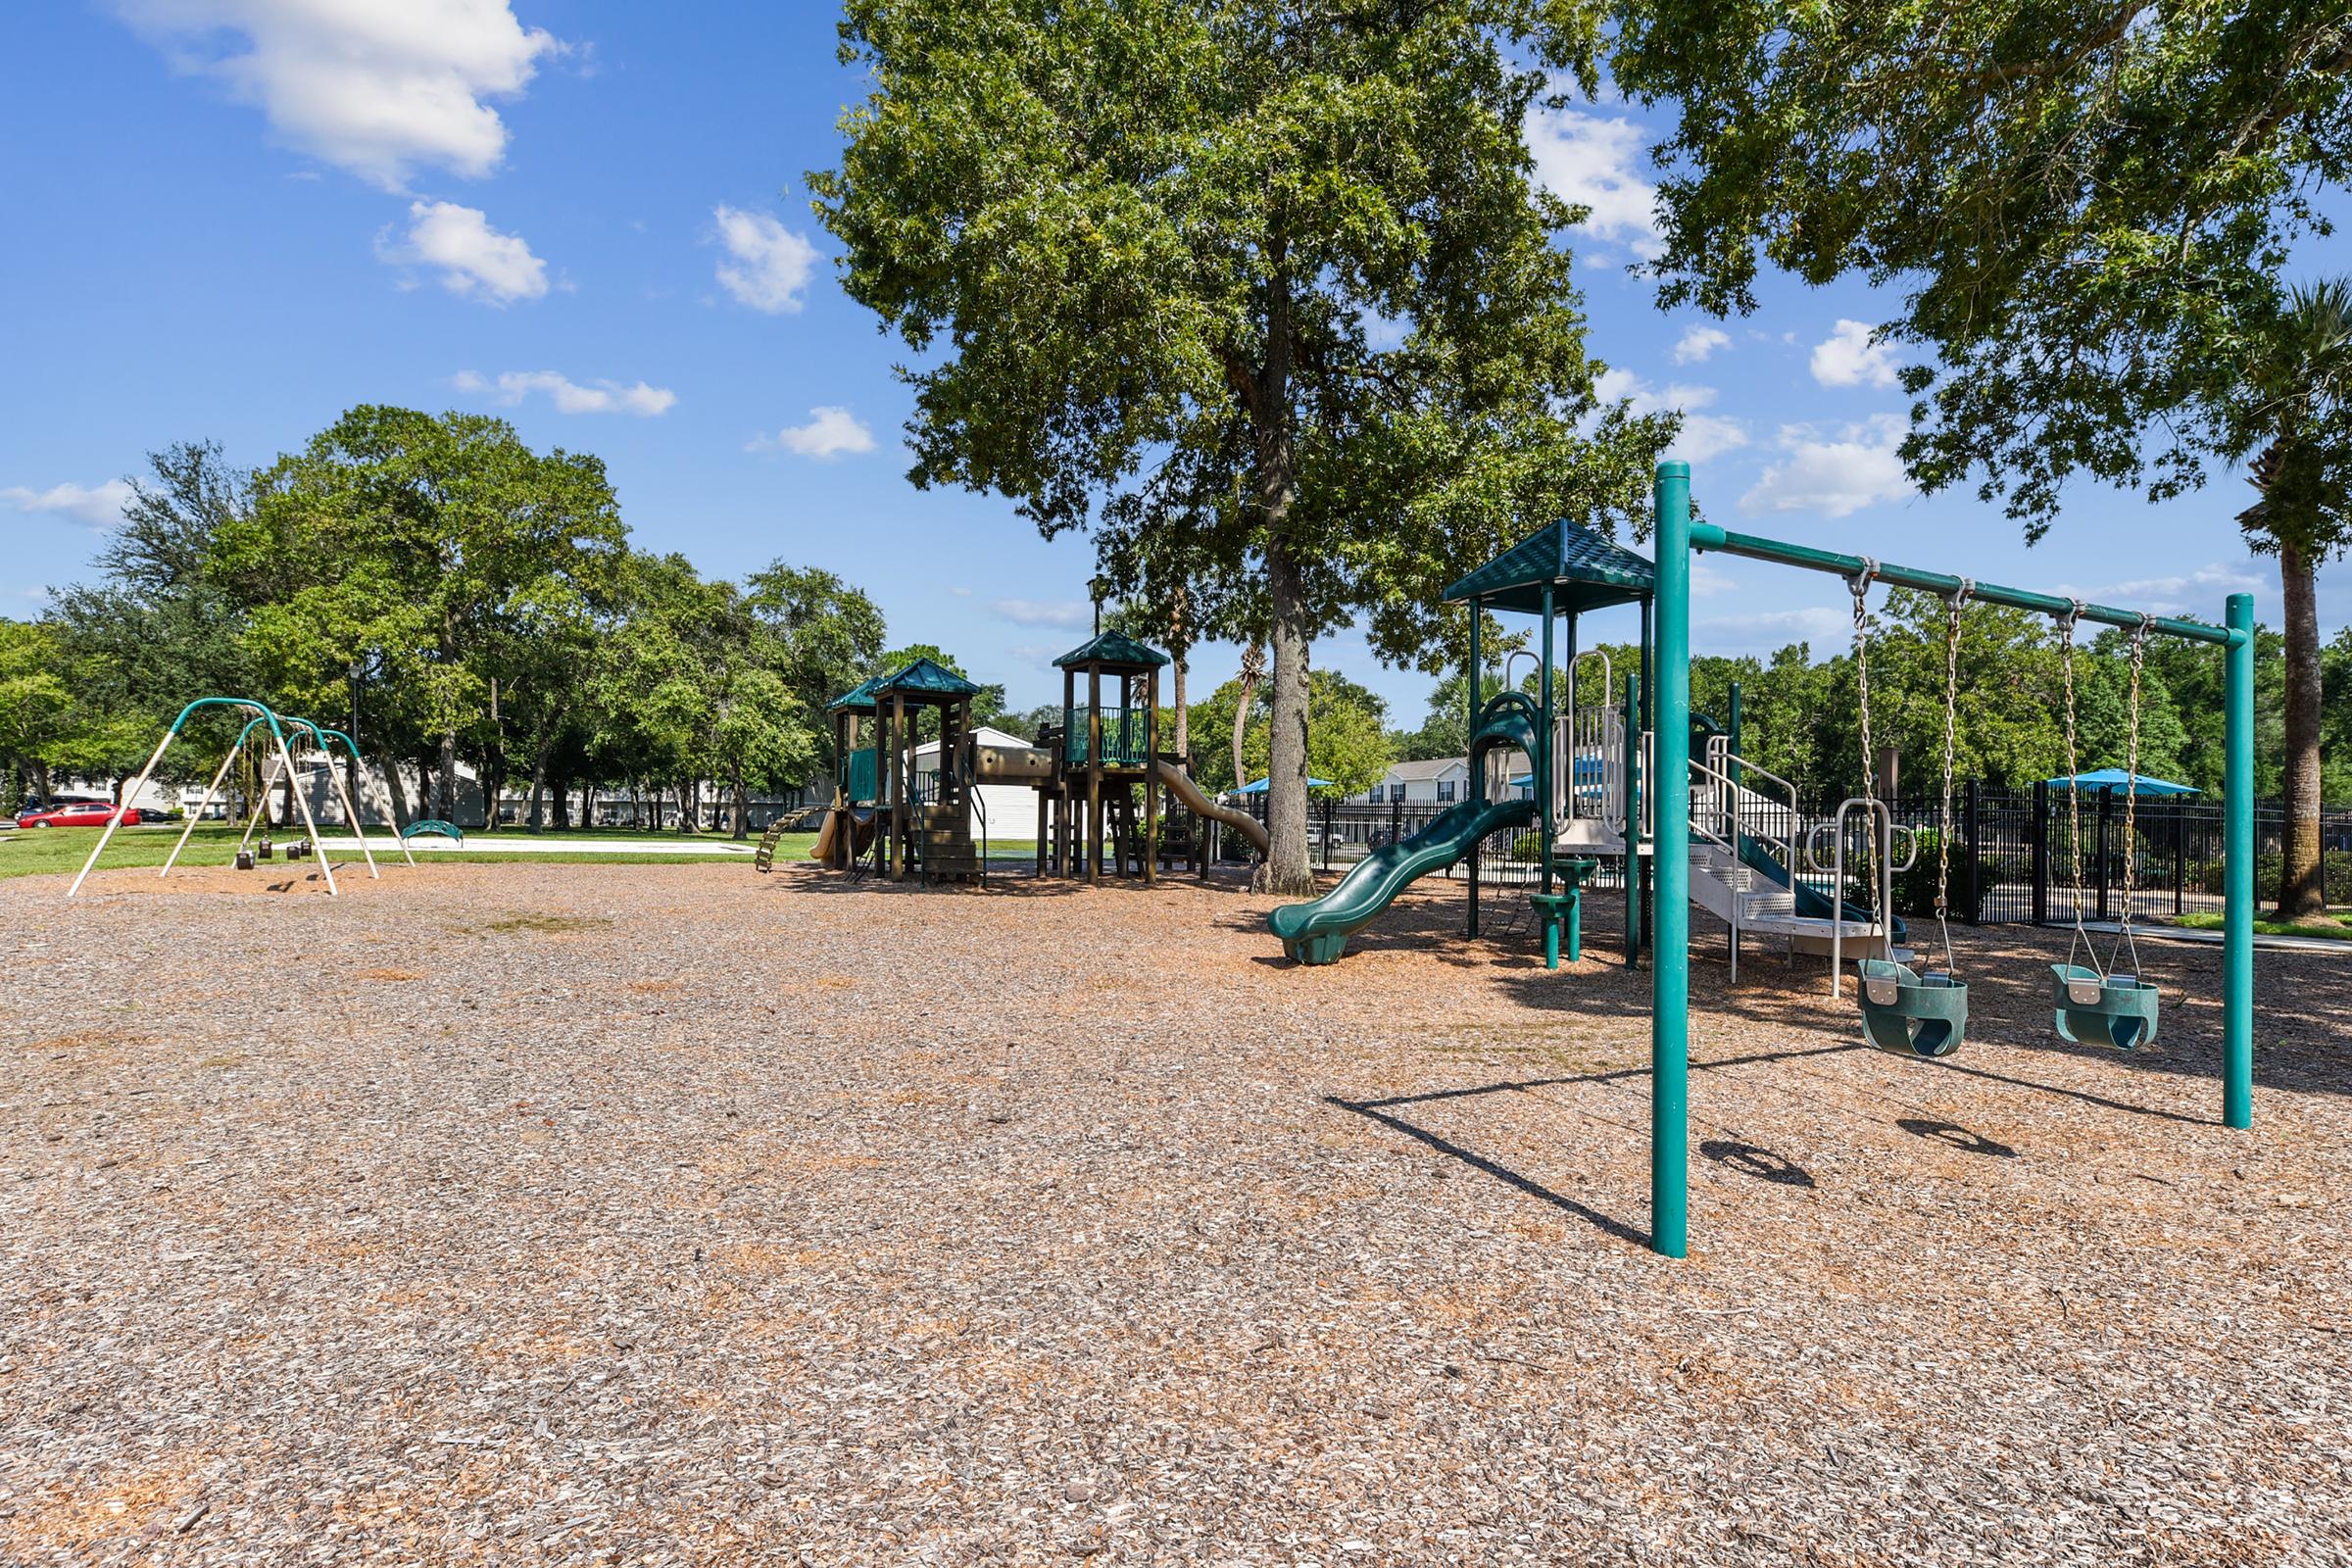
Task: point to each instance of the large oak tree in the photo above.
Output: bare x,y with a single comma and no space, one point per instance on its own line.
1298,248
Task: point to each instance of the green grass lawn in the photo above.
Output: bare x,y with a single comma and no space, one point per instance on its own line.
2333,927
34,851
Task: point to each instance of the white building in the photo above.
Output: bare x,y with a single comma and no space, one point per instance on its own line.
1011,808
1436,781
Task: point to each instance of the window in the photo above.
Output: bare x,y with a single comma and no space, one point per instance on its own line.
1445,790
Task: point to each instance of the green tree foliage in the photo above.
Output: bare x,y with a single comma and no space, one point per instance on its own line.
2089,210
443,592
34,701
1346,741
1155,234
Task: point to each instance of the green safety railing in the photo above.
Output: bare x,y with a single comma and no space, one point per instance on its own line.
1126,743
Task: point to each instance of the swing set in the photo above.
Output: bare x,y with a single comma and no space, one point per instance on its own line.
284,769
1923,1013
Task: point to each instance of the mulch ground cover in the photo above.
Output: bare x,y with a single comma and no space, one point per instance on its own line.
674,1214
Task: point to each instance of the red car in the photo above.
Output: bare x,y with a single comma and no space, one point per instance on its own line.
77,813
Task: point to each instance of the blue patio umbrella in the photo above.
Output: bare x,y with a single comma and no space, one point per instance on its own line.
2116,781
1258,786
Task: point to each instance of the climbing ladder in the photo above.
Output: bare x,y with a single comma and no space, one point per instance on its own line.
763,858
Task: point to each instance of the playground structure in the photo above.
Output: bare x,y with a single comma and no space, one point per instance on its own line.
1103,786
1589,765
281,767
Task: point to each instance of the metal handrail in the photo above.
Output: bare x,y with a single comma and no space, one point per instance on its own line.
980,800
1883,819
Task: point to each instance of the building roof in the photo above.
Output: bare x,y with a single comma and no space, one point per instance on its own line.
1587,570
989,735
1112,650
1429,768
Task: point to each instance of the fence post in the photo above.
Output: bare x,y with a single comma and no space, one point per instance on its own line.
2106,844
2041,855
2180,855
1395,817
1976,861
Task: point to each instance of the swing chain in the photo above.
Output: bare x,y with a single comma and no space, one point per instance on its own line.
1951,723
1859,586
2140,654
2073,774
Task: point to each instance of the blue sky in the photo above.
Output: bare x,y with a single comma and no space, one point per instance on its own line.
233,218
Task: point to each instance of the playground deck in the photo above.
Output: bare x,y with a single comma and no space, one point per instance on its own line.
571,1214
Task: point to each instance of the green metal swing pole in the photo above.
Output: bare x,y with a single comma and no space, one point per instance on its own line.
1706,536
2237,874
1670,913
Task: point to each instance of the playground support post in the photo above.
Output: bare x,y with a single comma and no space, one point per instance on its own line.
2237,879
1477,776
1546,740
1670,915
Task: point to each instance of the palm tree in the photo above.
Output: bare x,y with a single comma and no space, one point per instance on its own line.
1253,671
2299,383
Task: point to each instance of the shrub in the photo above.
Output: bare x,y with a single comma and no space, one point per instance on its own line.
1970,880
2335,877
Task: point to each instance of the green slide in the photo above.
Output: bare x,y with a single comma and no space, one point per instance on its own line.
1318,932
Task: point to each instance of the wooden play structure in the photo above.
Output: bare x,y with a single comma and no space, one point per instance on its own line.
1106,794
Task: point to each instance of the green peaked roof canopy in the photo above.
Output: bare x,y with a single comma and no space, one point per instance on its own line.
1113,649
1587,570
924,678
858,699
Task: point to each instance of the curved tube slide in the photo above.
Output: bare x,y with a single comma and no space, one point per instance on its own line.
1181,784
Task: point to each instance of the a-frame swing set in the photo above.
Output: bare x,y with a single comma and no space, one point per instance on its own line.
1924,1015
280,761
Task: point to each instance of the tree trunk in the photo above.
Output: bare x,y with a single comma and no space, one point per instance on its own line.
1288,868
398,789
2302,887
1180,648
1241,714
447,770
743,809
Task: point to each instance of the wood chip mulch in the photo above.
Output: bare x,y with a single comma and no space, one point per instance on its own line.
578,1214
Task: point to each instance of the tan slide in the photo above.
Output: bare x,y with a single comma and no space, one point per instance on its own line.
1199,804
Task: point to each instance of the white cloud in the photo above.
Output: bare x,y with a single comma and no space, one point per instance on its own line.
1066,614
1708,579
1702,435
831,431
767,265
1817,623
1697,344
2183,594
1589,161
570,397
375,88
1849,357
473,259
98,506
1860,468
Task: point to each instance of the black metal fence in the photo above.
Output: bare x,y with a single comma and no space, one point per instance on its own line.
2013,857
